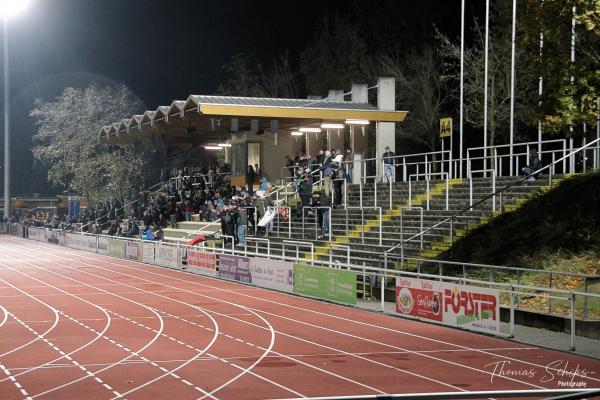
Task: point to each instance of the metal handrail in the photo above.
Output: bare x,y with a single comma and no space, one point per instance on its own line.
362,221
501,190
426,175
316,219
297,244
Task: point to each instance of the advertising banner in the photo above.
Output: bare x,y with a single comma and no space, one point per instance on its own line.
461,306
116,248
76,241
166,256
325,283
235,268
62,238
133,251
272,274
201,262
90,243
148,252
102,245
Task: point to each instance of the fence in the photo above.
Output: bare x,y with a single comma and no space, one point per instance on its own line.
329,280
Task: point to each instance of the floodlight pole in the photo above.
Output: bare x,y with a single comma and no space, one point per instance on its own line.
7,210
485,85
512,86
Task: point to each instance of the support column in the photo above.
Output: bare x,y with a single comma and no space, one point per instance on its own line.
335,137
386,131
313,140
359,134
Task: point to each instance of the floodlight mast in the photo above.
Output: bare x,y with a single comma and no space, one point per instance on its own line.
8,8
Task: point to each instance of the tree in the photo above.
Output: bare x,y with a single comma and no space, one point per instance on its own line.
571,89
336,58
422,88
67,141
246,76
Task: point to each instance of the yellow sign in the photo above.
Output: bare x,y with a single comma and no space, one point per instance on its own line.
445,127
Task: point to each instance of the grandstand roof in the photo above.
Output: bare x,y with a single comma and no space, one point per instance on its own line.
202,119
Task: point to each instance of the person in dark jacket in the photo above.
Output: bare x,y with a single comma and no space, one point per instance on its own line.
389,167
250,178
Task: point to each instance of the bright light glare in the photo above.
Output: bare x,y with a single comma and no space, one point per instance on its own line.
212,147
332,126
296,133
309,129
9,8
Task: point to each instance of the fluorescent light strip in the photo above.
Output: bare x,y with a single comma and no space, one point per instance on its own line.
212,148
224,145
297,133
316,130
332,126
357,122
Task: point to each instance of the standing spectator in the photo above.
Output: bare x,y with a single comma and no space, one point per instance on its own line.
327,169
349,163
533,165
242,222
250,178
389,168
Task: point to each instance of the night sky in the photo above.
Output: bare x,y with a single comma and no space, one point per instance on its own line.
164,50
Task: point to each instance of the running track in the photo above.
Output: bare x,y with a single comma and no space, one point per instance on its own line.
78,325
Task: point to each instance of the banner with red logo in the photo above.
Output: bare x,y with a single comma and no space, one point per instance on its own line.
461,306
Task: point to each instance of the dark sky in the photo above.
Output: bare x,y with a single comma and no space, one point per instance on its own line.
165,50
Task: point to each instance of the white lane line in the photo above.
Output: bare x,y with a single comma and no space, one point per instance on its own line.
243,371
301,339
100,335
346,319
5,318
81,367
43,334
156,337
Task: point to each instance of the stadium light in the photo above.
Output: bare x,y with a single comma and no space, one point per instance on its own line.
332,126
8,8
308,129
357,122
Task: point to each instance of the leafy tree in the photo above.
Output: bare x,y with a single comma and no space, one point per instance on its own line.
564,102
67,141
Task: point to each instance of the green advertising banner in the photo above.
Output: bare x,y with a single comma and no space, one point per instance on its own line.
325,283
116,248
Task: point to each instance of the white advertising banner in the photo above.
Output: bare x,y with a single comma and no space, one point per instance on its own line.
272,274
468,307
133,251
90,243
102,245
166,256
148,252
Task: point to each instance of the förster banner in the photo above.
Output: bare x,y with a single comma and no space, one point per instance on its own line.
461,306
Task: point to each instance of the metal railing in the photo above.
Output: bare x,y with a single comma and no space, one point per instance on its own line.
487,197
362,222
316,214
427,179
509,291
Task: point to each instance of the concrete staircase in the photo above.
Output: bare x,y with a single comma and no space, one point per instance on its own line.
359,230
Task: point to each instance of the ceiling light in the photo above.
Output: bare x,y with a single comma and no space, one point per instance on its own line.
297,133
316,130
332,126
224,145
357,122
212,148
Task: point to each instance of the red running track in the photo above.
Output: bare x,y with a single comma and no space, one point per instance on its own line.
77,325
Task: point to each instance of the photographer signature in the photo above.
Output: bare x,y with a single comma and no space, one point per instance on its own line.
554,370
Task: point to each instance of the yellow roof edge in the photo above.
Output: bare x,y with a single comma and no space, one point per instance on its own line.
300,112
